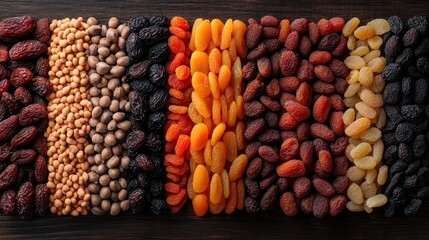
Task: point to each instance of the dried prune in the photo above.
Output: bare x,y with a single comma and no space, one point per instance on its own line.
156,121
159,20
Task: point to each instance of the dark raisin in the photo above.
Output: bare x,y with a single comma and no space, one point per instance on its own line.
396,24
158,53
158,206
157,100
153,34
134,47
144,86
137,23
159,20
156,121
138,105
157,75
154,143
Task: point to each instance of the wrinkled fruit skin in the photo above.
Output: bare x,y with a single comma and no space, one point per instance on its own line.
12,29
41,199
27,50
32,114
8,177
8,202
24,200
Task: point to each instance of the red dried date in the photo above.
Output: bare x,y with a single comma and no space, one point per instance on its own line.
8,177
24,200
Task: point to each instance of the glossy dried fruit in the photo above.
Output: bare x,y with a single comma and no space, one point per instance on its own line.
8,177
41,85
24,200
24,137
41,199
27,50
10,127
32,114
14,28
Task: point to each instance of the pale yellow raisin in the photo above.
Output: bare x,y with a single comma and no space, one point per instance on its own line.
380,26
368,189
349,116
366,76
354,62
366,110
355,174
378,84
375,42
361,150
360,51
372,99
351,43
366,208
376,201
382,175
371,135
352,207
371,55
353,77
352,89
376,65
354,193
370,175
365,163
364,32
350,26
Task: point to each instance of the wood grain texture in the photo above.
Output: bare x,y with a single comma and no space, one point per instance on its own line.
240,225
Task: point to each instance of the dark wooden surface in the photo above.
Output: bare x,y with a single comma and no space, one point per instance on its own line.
239,225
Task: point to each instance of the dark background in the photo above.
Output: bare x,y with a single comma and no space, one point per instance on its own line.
240,225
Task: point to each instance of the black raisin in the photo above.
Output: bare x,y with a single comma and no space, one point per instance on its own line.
389,139
154,143
137,200
159,20
421,91
138,70
411,112
329,42
423,65
419,146
392,72
413,207
134,47
143,180
393,47
392,93
138,105
413,167
394,181
157,100
414,72
156,188
159,52
406,57
411,37
410,182
153,34
157,75
407,90
404,152
137,23
135,140
156,121
423,193
396,24
390,155
390,208
399,196
418,22
158,206
144,86
404,132
422,48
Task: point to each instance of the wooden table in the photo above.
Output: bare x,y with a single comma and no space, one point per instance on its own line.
240,225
